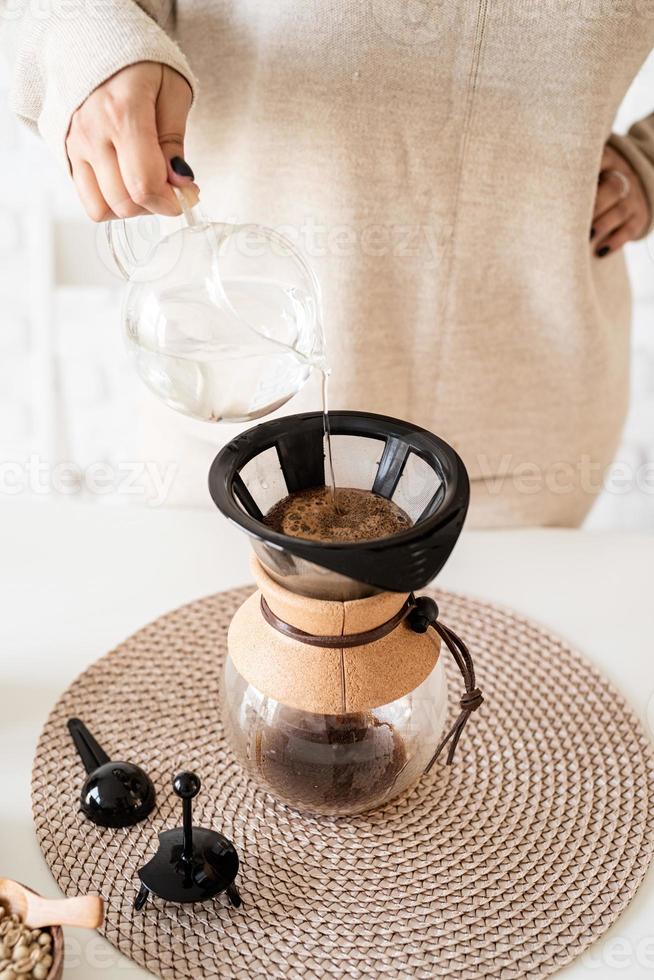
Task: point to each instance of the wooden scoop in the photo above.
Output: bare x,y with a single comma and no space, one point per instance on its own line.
86,911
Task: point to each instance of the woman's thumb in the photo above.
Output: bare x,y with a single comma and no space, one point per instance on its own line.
181,171
173,104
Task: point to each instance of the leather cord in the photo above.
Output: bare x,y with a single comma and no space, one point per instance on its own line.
339,641
421,614
471,699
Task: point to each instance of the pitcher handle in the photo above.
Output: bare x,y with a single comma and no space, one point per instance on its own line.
119,246
120,242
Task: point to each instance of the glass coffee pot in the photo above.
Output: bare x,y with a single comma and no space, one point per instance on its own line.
334,694
222,321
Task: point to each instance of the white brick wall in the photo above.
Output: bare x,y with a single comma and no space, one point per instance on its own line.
66,391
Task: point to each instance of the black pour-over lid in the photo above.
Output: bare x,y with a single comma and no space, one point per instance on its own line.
399,563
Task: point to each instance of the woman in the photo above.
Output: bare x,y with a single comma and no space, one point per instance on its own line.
441,173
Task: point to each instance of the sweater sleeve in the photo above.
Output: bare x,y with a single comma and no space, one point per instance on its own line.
60,52
638,148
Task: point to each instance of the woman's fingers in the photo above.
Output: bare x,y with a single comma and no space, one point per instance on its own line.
621,212
143,165
89,192
625,233
610,190
111,184
609,222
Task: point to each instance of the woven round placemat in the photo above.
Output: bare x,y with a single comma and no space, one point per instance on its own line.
508,864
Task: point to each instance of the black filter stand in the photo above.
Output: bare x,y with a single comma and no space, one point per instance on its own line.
114,794
193,864
401,562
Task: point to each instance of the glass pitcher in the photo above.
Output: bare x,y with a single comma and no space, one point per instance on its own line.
222,321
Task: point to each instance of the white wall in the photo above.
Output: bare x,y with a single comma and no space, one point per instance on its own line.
67,393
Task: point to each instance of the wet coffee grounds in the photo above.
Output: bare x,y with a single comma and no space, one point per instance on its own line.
360,515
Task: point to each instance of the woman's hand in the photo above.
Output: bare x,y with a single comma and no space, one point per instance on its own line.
621,207
126,143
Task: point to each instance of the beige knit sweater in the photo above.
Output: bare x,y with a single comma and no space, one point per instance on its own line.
440,174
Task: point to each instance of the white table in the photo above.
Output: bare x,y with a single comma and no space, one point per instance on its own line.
76,579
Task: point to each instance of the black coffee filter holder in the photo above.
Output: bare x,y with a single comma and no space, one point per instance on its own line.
193,864
400,563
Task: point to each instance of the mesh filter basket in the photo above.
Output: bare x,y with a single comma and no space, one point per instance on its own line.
417,470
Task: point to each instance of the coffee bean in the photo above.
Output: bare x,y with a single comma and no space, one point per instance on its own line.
21,950
25,954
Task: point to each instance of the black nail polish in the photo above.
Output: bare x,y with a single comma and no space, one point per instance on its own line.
601,252
592,234
181,168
